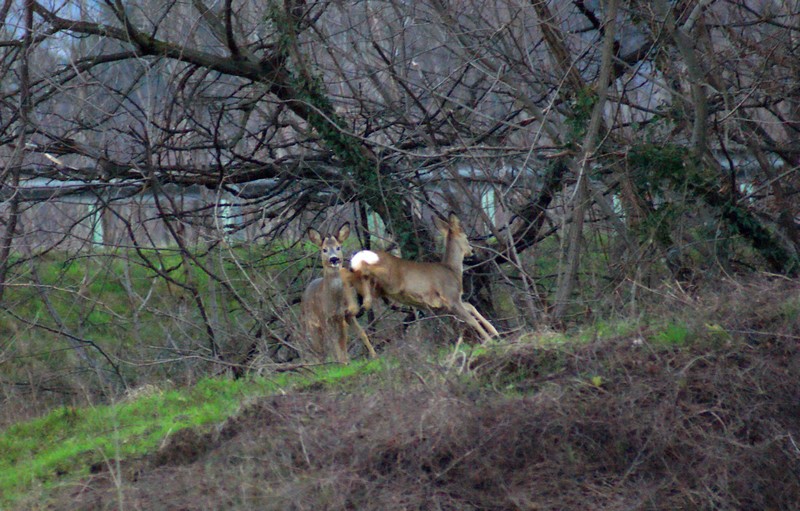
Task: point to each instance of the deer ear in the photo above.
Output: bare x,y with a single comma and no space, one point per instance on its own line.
314,236
441,225
454,220
344,232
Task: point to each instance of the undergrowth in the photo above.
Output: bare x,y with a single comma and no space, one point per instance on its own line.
135,316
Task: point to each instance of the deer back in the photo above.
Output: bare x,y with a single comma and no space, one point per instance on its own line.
418,284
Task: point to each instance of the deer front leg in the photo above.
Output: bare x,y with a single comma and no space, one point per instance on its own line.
341,343
315,333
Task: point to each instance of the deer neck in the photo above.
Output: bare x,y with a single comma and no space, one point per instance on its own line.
330,273
332,283
453,257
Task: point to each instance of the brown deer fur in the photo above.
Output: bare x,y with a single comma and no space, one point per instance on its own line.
329,302
436,286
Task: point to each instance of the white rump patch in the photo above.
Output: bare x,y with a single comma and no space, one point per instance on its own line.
362,258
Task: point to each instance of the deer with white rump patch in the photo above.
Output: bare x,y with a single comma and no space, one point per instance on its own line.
329,302
436,286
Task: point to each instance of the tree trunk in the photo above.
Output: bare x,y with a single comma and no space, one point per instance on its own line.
569,270
18,155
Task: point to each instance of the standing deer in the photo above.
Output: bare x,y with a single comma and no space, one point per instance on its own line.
329,302
435,286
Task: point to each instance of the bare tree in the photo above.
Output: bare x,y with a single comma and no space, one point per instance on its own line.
585,146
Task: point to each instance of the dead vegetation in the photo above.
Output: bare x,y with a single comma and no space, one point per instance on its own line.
620,423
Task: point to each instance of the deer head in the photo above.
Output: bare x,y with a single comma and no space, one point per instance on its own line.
330,247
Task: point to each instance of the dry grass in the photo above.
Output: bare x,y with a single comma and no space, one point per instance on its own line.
613,424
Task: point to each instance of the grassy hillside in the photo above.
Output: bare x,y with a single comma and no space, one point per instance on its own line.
693,406
71,442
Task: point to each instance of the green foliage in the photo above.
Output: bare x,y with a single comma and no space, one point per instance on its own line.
663,171
790,308
581,108
716,334
653,164
604,328
656,170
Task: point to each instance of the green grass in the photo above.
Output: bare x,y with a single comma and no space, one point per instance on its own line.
674,334
789,308
616,328
64,443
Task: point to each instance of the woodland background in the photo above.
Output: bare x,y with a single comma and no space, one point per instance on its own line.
160,162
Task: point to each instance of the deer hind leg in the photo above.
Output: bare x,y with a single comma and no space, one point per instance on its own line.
463,313
363,335
362,285
483,321
350,285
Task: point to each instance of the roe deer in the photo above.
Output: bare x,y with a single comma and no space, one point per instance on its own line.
423,285
329,301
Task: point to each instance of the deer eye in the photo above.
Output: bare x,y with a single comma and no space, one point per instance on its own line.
324,250
338,249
